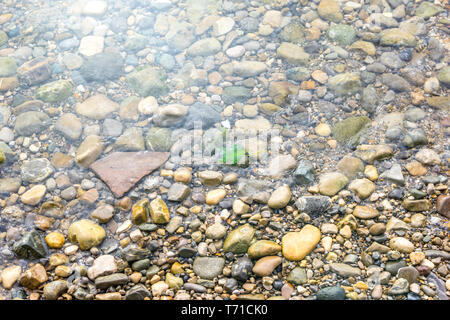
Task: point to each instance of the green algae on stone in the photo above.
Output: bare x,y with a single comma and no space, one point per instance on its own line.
148,82
8,67
55,91
159,139
235,93
239,240
292,53
298,74
444,75
427,10
2,157
3,38
346,129
279,90
345,83
159,212
293,32
204,47
397,37
343,34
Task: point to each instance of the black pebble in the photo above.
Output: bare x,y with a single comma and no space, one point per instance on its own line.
406,54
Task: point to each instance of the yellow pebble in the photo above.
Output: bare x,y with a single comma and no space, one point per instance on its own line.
361,285
196,209
63,271
55,240
347,288
180,230
166,173
352,295
213,197
136,277
371,172
331,256
124,242
176,268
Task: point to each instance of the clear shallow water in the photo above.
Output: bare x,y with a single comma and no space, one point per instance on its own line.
251,88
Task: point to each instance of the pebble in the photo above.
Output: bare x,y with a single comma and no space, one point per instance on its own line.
297,245
55,240
280,197
10,275
215,196
401,244
34,277
239,239
33,196
331,293
55,289
266,265
263,248
208,267
102,266
86,234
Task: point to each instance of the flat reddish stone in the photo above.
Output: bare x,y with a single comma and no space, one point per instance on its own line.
287,290
122,170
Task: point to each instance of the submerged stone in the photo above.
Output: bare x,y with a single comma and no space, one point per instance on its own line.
31,246
159,139
122,170
349,128
343,34
345,83
102,66
86,234
56,91
31,122
36,170
8,67
148,82
304,174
